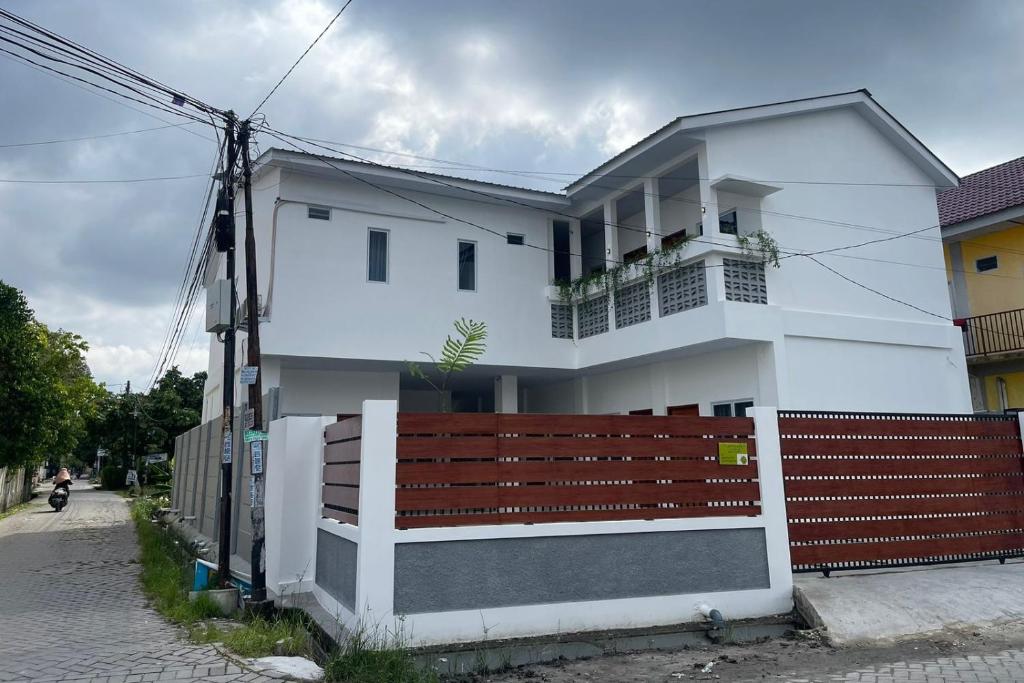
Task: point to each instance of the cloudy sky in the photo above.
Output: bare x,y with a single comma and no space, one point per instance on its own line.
549,85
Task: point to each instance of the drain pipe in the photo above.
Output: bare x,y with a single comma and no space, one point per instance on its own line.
718,623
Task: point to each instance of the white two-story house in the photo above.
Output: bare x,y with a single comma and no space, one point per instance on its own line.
362,267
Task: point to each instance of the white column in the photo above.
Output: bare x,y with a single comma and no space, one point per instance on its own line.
575,248
506,394
611,234
652,213
773,505
375,566
708,195
292,501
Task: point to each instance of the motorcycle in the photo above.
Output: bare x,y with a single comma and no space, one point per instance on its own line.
59,497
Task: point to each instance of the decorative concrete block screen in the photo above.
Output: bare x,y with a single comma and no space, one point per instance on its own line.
744,281
340,494
593,316
561,321
473,469
632,305
868,490
682,288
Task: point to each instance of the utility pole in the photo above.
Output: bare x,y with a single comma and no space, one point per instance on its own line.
224,234
259,576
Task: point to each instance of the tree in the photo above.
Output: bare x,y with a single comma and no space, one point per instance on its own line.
456,355
46,388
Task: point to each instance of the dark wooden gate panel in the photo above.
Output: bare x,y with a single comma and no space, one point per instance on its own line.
867,490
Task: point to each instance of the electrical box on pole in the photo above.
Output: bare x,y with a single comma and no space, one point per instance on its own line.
218,306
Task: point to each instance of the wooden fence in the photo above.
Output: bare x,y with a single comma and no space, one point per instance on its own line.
342,445
870,490
469,469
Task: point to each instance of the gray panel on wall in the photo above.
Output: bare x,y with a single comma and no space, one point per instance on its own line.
457,575
336,567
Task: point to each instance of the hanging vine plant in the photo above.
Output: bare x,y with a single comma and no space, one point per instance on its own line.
761,245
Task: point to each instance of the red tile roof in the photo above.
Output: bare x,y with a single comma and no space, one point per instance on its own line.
988,191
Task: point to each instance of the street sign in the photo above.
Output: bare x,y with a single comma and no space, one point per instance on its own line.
101,452
256,450
253,435
156,457
732,453
250,418
248,374
226,458
132,477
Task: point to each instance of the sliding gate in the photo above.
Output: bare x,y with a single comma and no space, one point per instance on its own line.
867,490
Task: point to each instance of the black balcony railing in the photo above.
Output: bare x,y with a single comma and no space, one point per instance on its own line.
994,333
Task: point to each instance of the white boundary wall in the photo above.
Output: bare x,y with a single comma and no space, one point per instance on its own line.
291,548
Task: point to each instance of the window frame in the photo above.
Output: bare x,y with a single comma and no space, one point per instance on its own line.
732,406
994,260
458,265
387,255
736,222
315,207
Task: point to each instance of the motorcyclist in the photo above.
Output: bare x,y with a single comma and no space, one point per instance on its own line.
63,480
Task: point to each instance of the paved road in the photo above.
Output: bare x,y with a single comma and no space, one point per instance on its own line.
70,604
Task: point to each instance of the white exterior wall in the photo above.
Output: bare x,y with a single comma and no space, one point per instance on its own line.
816,324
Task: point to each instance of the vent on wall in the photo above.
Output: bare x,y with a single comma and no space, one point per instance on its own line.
319,213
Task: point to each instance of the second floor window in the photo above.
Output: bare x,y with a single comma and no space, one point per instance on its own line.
377,255
467,266
727,223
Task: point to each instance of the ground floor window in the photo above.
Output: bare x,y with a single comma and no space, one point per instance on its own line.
732,408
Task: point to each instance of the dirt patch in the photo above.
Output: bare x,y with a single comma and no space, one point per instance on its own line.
804,655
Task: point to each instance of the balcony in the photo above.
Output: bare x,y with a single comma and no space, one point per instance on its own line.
993,334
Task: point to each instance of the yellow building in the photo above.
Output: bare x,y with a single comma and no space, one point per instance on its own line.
983,235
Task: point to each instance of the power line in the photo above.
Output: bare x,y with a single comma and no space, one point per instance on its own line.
292,68
94,137
20,181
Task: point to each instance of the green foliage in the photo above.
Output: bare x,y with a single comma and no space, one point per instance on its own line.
456,355
112,477
374,658
286,636
46,388
762,245
583,289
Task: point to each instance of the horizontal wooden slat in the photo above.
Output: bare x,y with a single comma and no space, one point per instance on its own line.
890,528
345,429
342,496
340,515
344,473
807,488
422,521
804,467
824,555
812,509
342,451
447,423
562,496
635,446
463,447
847,446
570,470
638,425
871,426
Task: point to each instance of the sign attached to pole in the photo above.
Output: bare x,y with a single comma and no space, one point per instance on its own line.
732,453
226,458
253,435
256,449
250,418
248,374
156,457
132,477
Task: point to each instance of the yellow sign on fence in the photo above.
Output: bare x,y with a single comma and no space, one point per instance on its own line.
732,453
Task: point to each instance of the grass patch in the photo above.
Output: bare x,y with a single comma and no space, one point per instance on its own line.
369,658
167,568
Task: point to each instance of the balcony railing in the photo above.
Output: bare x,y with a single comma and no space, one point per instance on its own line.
994,333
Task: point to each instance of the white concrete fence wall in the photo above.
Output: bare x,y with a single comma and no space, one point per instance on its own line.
14,487
419,583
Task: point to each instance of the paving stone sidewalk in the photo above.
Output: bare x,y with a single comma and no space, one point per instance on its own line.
1004,666
71,608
